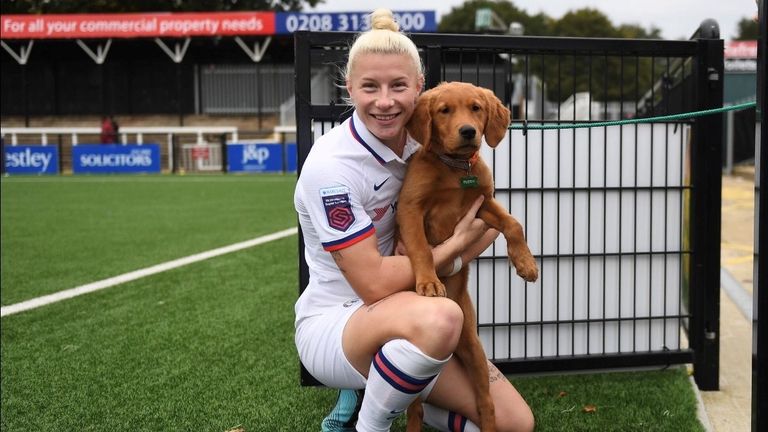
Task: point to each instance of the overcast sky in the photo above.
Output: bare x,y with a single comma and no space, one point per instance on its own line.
677,19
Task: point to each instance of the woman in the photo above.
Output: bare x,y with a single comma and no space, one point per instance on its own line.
359,325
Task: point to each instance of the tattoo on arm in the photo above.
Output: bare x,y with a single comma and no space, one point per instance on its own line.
337,258
494,374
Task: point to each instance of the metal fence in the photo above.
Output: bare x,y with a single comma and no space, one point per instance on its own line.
624,221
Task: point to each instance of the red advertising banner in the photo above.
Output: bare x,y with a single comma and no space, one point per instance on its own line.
741,49
136,25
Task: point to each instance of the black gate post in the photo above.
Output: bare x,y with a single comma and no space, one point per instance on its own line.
760,302
303,75
706,175
433,65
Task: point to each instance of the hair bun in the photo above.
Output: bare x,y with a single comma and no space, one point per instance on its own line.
382,19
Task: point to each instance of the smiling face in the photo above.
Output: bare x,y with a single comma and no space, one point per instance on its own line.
383,89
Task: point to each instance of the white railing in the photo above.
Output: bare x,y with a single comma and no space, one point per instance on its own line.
126,132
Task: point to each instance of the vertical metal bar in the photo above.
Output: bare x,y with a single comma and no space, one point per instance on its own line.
665,96
303,144
557,207
729,138
605,198
434,66
620,197
508,89
685,261
635,233
573,214
650,215
589,210
706,202
259,96
760,304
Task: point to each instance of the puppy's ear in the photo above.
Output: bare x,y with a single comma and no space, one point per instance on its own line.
420,124
498,119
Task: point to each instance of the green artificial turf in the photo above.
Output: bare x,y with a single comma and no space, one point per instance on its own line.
61,232
208,346
660,400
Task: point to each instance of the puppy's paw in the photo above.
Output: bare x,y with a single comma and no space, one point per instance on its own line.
526,267
430,288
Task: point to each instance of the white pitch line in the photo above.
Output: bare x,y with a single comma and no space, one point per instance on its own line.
137,274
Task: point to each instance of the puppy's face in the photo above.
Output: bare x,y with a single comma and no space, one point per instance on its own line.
453,117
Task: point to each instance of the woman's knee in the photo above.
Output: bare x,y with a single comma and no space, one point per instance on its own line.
517,419
436,327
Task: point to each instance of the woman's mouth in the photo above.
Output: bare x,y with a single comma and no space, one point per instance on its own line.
384,117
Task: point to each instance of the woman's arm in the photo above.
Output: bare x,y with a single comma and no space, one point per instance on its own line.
374,276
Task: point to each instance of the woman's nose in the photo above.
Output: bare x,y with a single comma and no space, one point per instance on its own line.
385,100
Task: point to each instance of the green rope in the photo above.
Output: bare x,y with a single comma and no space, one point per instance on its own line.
658,119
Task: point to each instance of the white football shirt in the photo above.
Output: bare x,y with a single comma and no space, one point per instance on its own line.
347,191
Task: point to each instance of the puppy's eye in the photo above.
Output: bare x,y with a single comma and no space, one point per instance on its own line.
475,107
444,110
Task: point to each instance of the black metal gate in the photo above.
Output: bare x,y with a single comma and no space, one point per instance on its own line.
623,220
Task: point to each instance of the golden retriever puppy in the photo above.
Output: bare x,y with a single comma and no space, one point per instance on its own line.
443,180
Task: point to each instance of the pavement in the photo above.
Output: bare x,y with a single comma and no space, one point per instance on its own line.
729,409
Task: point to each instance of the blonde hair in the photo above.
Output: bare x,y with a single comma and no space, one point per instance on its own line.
384,37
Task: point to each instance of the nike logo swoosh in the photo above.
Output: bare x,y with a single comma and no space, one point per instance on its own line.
376,187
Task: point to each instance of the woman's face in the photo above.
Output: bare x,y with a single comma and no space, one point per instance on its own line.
383,88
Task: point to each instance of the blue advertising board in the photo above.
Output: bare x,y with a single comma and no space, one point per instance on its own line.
291,157
410,21
255,157
28,159
115,159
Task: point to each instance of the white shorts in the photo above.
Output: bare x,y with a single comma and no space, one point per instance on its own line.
318,341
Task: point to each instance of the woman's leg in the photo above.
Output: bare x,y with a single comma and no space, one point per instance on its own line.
453,393
433,324
400,343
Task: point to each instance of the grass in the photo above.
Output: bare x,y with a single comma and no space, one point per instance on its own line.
112,225
209,346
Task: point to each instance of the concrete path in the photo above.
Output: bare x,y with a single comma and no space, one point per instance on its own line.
729,410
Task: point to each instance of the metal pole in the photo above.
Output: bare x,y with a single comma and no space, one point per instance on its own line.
707,165
760,303
729,135
303,77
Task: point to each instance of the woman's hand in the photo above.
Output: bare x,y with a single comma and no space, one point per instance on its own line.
470,228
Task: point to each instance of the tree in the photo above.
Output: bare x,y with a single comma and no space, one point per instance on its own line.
584,23
748,29
612,77
461,19
118,6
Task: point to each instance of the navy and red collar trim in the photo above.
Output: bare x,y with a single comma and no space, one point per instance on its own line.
360,139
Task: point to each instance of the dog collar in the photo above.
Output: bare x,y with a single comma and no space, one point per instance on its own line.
462,164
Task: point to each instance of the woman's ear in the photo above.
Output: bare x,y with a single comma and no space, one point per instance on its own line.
498,119
420,124
348,86
420,87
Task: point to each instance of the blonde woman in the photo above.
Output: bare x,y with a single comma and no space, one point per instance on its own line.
359,325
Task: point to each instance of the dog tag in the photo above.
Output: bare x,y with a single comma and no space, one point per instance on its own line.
468,182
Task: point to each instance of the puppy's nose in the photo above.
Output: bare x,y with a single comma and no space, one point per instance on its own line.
467,132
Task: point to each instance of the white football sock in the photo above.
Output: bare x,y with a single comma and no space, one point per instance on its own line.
447,421
398,373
